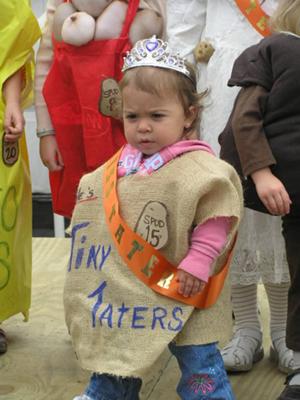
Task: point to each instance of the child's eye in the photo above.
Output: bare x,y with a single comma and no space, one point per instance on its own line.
130,116
157,115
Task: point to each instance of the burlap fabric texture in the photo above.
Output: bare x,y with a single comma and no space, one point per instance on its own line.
118,325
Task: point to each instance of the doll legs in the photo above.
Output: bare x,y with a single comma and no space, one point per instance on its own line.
202,373
109,387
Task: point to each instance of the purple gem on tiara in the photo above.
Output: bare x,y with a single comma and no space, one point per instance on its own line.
151,45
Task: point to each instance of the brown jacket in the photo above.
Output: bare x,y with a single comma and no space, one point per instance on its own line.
243,142
265,122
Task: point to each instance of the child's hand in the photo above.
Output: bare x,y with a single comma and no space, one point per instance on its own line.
13,122
271,192
189,285
50,154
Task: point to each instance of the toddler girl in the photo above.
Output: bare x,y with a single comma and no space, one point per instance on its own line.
151,231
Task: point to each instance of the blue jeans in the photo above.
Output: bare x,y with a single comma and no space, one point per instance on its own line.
203,377
109,387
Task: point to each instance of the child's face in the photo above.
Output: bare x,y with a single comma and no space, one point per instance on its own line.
152,122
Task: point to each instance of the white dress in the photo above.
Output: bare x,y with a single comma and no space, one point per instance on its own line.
260,251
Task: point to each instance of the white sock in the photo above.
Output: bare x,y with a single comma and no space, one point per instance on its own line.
244,304
278,300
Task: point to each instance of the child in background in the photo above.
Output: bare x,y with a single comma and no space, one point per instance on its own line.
262,140
76,93
19,31
227,27
176,197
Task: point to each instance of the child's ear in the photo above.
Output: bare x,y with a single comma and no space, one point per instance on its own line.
191,115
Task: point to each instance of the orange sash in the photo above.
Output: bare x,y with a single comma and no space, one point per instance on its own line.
255,15
147,263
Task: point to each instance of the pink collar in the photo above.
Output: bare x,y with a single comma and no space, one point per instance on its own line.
132,161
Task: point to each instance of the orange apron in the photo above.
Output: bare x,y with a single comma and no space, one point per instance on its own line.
86,138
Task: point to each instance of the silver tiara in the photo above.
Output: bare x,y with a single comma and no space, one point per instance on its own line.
154,52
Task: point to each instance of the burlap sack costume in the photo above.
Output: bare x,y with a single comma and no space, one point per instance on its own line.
118,325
